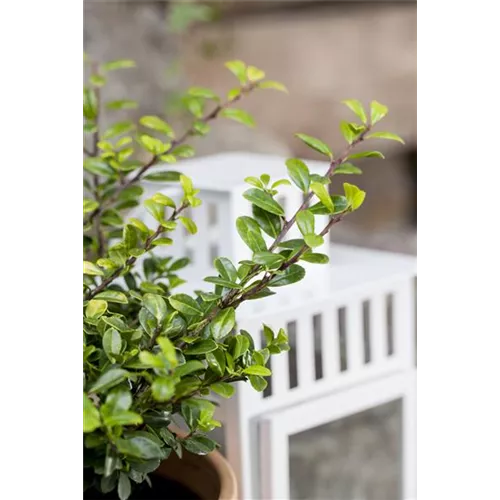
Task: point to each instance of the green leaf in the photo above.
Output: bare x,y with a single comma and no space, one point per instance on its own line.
299,173
117,400
163,200
89,205
96,308
152,144
189,225
163,388
183,151
258,383
385,135
322,193
238,115
250,233
223,389
156,123
201,347
268,259
139,447
185,305
347,168
199,445
241,344
292,274
305,221
155,209
366,154
355,196
204,93
316,144
263,200
226,269
238,69
123,418
121,104
118,129
97,80
189,367
271,84
112,296
151,360
91,418
112,342
261,371
91,269
255,74
223,323
124,487
162,242
89,103
164,176
97,166
217,361
270,223
313,240
356,107
281,182
222,282
156,305
378,111
294,244
315,258
166,346
109,379
347,132
118,64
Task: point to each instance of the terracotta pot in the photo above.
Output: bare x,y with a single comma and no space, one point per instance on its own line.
210,476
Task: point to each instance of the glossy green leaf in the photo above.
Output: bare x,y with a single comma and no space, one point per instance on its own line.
124,487
183,151
270,223
305,222
166,346
185,305
123,418
96,308
222,282
199,445
112,296
118,129
258,383
97,166
313,240
90,269
223,389
385,135
240,345
164,176
322,193
156,123
261,371
355,196
91,418
347,132
155,209
201,347
316,144
299,173
268,259
189,367
347,168
139,447
356,107
315,258
163,388
250,233
163,200
217,361
189,225
152,144
109,379
156,305
292,274
366,154
89,205
263,200
238,115
223,323
226,269
378,111
112,342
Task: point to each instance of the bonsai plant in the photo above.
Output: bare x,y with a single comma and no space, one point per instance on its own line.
153,357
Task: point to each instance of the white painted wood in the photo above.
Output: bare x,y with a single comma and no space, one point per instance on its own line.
354,328
410,440
330,335
378,334
305,351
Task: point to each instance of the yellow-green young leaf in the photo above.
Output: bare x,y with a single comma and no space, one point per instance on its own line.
238,69
121,104
183,151
255,74
118,129
238,115
355,196
187,185
168,158
322,193
233,93
91,269
258,383
109,379
89,205
204,93
195,105
347,168
223,389
111,342
163,388
385,135
316,144
156,123
378,111
156,305
112,296
167,348
356,107
139,224
313,240
98,167
263,200
189,225
152,144
91,418
96,308
163,200
366,154
223,323
97,80
185,305
118,64
271,84
299,173
305,221
89,103
152,360
347,132
155,209
261,371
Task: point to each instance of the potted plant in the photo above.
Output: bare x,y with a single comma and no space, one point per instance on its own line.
153,357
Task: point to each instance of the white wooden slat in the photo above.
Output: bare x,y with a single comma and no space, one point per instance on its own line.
378,328
354,334
403,321
330,343
305,350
